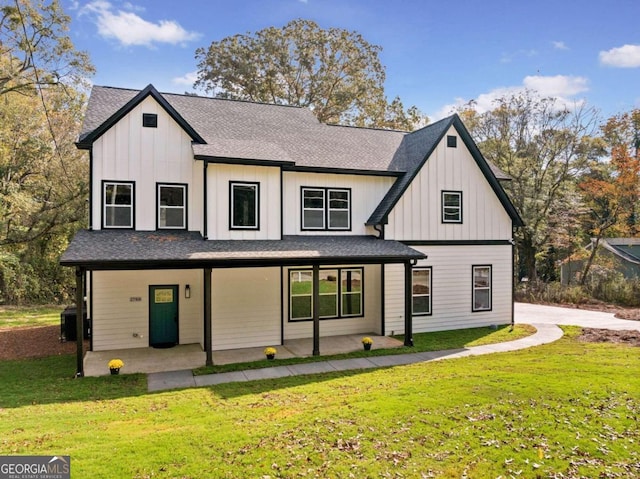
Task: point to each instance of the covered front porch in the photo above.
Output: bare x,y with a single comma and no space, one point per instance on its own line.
191,356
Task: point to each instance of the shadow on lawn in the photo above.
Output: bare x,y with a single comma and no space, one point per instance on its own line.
49,380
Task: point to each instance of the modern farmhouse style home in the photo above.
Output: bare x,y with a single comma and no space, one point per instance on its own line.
234,224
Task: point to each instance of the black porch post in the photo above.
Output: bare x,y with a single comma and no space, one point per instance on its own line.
408,306
79,322
207,316
316,309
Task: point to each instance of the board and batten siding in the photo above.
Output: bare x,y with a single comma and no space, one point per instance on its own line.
130,152
451,286
219,177
366,193
369,323
120,314
418,213
245,308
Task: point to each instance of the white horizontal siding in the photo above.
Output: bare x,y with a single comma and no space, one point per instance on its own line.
418,213
245,305
219,177
366,194
452,289
115,318
369,323
130,152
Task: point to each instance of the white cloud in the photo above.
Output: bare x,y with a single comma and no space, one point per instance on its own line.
559,45
130,29
187,79
560,87
626,56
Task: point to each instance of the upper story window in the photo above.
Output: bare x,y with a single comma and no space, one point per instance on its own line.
452,141
326,208
421,291
117,204
172,206
482,288
452,206
244,206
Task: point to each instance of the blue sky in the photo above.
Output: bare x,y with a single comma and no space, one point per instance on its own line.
437,54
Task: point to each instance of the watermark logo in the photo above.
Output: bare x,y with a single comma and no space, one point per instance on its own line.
35,467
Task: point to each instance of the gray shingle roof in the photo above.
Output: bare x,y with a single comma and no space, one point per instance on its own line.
118,249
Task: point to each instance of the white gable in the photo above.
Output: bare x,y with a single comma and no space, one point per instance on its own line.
417,216
130,152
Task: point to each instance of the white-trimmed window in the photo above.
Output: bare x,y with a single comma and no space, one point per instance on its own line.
340,293
452,206
482,288
172,206
326,208
244,205
117,204
421,291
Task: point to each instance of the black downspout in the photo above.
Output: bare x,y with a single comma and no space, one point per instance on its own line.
207,316
90,226
408,307
316,309
204,199
513,278
79,322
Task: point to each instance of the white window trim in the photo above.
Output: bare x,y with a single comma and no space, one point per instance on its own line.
256,188
475,288
106,205
430,295
454,208
166,207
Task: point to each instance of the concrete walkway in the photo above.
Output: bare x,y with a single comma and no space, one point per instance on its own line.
546,333
544,318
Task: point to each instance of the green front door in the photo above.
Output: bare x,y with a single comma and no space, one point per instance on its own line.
163,316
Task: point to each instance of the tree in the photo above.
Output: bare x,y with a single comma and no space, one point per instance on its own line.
542,146
334,72
35,49
43,177
611,189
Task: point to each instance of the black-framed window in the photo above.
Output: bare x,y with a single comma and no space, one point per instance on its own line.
150,120
118,204
452,141
452,206
244,205
341,293
421,291
482,286
172,206
326,208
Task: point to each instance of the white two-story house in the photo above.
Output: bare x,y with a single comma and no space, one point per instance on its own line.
235,224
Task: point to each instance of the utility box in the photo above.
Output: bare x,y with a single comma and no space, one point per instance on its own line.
68,325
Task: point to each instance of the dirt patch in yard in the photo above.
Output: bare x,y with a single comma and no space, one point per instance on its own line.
34,342
590,335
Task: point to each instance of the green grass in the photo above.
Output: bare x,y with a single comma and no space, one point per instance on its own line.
30,316
423,342
566,409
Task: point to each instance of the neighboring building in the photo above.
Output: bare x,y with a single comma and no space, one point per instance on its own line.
625,253
235,224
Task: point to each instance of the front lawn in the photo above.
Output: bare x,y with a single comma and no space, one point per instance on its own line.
567,409
30,316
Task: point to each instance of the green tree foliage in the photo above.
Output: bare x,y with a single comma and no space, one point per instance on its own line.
334,72
542,146
35,49
43,177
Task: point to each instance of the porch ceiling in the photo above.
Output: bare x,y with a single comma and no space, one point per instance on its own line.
113,249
